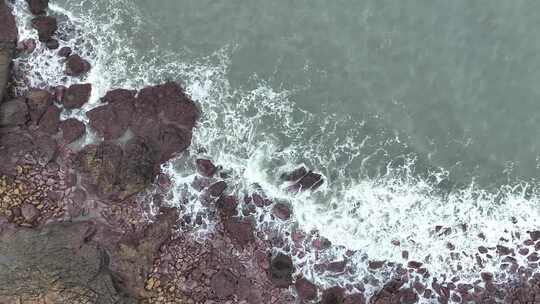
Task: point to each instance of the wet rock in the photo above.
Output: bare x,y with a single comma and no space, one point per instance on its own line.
294,175
227,205
46,149
281,270
224,284
111,121
64,51
205,167
337,267
26,46
52,44
535,235
29,212
46,27
305,289
354,299
216,189
8,41
38,102
119,95
310,181
334,295
281,211
77,95
414,264
76,66
239,230
72,129
13,113
38,7
50,120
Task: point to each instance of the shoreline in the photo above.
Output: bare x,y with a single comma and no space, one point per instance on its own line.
98,197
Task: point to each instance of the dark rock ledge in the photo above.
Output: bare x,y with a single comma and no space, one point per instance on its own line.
76,224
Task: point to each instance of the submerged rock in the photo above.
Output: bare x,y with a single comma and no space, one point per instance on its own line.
46,27
76,66
64,51
305,289
77,95
38,7
205,167
281,211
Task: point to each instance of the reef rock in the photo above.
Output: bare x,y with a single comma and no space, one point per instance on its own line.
77,95
72,129
72,267
46,27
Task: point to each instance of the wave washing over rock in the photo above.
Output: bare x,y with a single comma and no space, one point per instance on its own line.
139,195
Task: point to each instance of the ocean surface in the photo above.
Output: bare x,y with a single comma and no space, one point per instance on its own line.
418,113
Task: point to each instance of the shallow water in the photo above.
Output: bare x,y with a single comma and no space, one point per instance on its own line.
418,113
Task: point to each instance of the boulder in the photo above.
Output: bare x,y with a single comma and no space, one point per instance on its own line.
216,189
13,113
29,212
52,44
64,52
76,66
294,175
73,268
72,129
50,120
310,181
8,40
116,173
227,205
354,299
26,46
333,295
281,211
38,102
77,95
46,26
111,121
205,167
306,290
281,270
38,7
119,95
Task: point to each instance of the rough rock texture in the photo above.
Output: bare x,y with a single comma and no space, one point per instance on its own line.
76,96
8,41
13,113
38,7
72,129
46,27
58,263
76,66
38,101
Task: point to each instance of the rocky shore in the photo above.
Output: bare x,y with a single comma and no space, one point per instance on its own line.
87,222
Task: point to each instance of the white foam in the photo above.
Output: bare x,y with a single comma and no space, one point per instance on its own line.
259,133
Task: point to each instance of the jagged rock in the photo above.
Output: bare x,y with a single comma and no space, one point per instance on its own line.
133,257
76,66
294,175
38,101
216,189
119,95
310,181
26,46
72,267
8,40
239,230
354,299
64,51
305,289
72,129
38,7
50,120
111,121
13,113
114,173
29,212
333,295
281,270
205,167
227,205
46,27
281,211
77,95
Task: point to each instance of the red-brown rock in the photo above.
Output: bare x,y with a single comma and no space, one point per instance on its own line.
72,129
333,295
52,44
76,66
111,121
38,101
50,120
310,181
77,95
305,289
224,284
46,27
205,167
281,270
281,211
64,51
13,113
239,230
38,7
